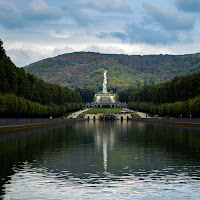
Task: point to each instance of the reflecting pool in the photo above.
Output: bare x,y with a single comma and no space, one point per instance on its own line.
101,160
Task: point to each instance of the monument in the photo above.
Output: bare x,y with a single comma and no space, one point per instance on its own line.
105,99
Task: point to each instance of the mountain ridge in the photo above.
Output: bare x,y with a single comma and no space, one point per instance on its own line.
85,69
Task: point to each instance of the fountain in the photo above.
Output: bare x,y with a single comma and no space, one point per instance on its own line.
105,99
105,95
105,83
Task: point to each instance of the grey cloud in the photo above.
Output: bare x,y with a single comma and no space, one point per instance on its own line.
10,16
22,57
40,10
188,5
106,6
139,34
169,19
102,35
118,35
77,14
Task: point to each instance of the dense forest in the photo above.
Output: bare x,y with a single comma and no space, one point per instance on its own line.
87,95
85,69
24,95
179,96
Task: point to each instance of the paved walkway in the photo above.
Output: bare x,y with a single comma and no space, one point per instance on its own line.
143,115
112,99
76,114
98,99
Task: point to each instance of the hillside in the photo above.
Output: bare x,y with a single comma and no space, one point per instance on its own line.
85,69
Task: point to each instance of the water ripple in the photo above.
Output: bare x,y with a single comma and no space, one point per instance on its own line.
42,184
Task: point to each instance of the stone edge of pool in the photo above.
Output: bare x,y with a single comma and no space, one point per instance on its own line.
190,122
182,122
38,125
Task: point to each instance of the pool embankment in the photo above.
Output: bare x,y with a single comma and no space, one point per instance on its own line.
172,121
11,124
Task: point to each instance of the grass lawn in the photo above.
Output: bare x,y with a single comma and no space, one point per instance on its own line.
116,99
81,115
67,114
94,99
136,116
103,110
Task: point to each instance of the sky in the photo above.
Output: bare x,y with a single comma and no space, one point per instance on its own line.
36,29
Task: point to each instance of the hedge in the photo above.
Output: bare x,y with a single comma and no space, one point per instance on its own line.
14,106
172,109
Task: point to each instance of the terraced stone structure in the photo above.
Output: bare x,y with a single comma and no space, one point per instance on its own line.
105,99
105,105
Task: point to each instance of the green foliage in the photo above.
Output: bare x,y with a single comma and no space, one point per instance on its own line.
95,99
178,89
23,94
127,95
103,110
194,106
171,109
2,51
14,106
11,103
86,95
136,116
116,98
85,69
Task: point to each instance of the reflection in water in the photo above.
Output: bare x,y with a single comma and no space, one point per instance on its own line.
101,160
105,153
103,140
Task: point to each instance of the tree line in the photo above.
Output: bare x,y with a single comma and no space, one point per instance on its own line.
22,94
180,96
176,109
178,89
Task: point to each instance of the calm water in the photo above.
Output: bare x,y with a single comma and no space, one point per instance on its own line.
96,160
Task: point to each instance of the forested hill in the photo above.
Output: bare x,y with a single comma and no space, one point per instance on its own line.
85,69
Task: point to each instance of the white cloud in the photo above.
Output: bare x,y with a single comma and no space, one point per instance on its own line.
106,5
22,57
58,34
57,51
105,49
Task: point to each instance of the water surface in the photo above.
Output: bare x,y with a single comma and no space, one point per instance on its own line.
101,160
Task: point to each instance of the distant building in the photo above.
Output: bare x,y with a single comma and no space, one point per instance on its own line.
106,105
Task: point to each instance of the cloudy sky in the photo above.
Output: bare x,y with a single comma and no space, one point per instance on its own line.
35,29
